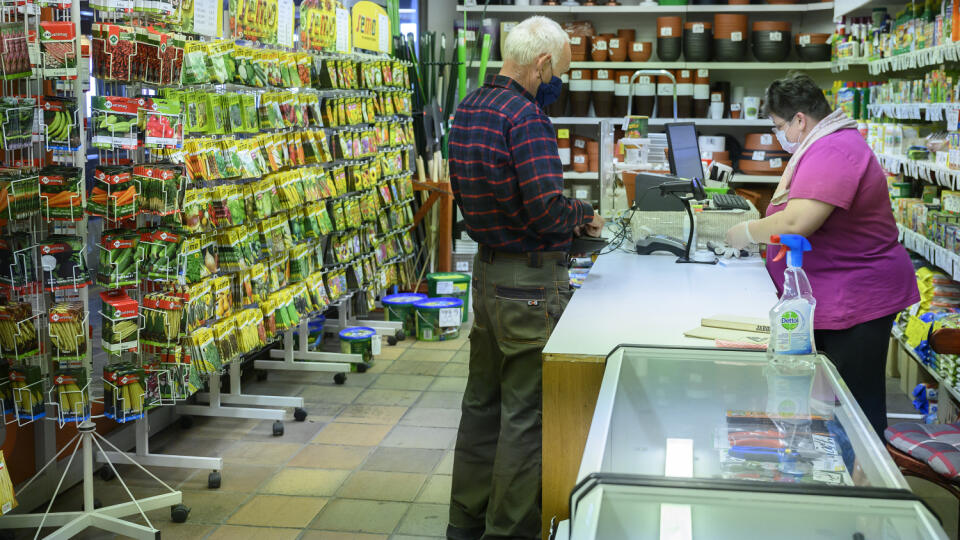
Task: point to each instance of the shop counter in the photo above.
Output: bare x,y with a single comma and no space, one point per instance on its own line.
699,443
628,299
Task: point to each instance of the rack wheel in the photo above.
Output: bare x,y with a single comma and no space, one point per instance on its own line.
186,422
278,429
391,340
362,367
261,375
340,378
400,335
179,513
299,414
106,473
213,480
97,503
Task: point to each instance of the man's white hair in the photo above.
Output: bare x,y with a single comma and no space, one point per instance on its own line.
533,37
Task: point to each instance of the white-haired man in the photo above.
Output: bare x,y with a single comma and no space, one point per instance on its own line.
508,182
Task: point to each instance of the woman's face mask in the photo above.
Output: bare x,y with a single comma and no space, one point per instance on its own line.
786,143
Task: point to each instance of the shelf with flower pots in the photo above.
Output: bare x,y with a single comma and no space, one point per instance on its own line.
622,10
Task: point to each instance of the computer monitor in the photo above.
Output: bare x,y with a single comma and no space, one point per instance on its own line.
685,155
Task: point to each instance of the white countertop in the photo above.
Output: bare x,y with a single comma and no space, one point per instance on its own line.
652,300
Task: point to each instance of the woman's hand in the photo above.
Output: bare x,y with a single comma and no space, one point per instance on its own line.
738,237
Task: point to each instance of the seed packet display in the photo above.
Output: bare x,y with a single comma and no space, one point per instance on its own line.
19,193
63,259
203,351
199,304
163,317
119,259
114,193
120,315
115,123
70,385
17,268
14,58
18,331
58,51
163,126
68,335
162,186
16,122
60,197
200,259
26,383
113,48
161,254
123,392
59,123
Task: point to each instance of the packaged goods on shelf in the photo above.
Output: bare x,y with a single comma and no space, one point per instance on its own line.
18,330
68,335
124,394
70,385
7,500
63,258
28,390
120,315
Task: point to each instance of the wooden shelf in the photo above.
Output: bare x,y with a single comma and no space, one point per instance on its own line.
703,122
622,10
728,66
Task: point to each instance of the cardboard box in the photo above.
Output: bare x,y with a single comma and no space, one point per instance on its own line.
893,360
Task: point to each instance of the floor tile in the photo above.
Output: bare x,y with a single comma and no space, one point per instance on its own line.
446,464
307,482
293,431
443,400
436,490
261,453
427,355
323,412
421,437
232,532
432,417
390,352
278,511
382,486
372,414
411,537
360,516
352,434
412,460
184,531
449,384
238,478
330,394
220,428
403,382
380,366
415,367
462,357
324,456
211,506
185,444
336,535
274,387
378,396
448,345
425,520
455,370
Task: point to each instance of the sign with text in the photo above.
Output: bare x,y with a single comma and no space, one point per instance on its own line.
370,27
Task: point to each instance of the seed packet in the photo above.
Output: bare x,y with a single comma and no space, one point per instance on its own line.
63,259
163,125
58,52
14,58
59,123
195,69
115,122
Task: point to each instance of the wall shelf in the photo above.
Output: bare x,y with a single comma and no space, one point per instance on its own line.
916,60
739,178
571,175
703,122
621,10
729,66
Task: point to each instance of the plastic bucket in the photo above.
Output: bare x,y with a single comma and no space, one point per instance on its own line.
450,285
399,307
358,340
438,319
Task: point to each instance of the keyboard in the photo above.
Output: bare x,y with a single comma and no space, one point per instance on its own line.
730,201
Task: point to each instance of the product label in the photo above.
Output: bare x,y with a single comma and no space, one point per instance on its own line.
701,91
603,74
449,317
736,36
766,139
580,143
444,287
666,31
600,46
563,133
564,154
698,28
614,43
776,163
579,159
576,75
793,336
464,266
804,39
575,40
375,344
624,79
665,90
716,97
685,89
638,46
759,155
776,36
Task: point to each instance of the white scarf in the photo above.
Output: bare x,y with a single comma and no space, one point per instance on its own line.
835,121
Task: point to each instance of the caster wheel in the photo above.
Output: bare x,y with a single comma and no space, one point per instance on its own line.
97,504
261,375
391,340
278,429
363,367
299,414
401,335
107,474
213,480
186,422
179,513
340,378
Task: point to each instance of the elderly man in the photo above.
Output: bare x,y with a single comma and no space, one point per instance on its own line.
508,182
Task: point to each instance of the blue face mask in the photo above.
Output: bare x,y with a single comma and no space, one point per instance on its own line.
547,93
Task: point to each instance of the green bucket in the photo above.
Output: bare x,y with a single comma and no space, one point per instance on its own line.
438,319
358,340
399,307
450,285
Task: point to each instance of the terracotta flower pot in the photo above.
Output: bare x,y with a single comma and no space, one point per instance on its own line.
580,91
771,26
627,35
669,27
617,49
640,51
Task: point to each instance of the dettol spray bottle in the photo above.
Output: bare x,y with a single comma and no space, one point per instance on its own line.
791,319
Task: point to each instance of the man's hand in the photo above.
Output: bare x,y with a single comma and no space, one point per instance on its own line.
595,227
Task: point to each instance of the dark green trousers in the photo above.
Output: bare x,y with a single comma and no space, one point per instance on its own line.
496,469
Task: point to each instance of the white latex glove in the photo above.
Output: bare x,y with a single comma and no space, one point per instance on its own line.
738,237
725,251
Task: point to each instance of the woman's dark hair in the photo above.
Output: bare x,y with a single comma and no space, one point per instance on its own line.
796,93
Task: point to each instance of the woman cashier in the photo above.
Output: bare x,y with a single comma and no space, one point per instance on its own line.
834,192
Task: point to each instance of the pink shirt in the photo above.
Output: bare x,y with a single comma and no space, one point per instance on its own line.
857,268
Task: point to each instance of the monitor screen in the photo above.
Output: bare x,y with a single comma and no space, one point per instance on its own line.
685,154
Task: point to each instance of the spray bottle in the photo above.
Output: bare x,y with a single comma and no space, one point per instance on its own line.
791,319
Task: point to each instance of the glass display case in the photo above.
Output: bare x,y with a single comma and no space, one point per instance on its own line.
726,433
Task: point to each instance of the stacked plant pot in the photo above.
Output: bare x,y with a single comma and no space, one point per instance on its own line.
701,93
621,91
579,154
684,93
559,107
771,40
697,41
593,156
669,40
599,51
602,88
665,93
618,45
762,155
640,51
580,35
580,91
644,95
729,37
813,47
563,149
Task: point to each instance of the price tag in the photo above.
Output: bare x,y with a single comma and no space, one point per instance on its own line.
576,75
463,266
703,73
766,138
956,269
581,194
716,97
625,79
637,46
666,31
580,143
804,39
603,74
600,45
579,158
206,15
576,40
776,163
707,154
759,155
383,24
375,344
734,106
343,30
684,73
444,287
614,43
953,119
563,133
776,36
449,317
824,444
698,28
285,22
736,36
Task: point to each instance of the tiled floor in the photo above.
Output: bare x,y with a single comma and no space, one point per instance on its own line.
372,461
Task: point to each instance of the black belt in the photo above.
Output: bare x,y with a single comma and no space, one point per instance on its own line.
534,259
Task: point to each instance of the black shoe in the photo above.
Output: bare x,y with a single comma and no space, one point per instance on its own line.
459,533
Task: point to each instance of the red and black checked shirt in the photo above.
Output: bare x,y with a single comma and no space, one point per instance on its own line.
506,174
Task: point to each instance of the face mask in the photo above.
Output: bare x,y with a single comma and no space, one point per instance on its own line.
547,93
788,146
